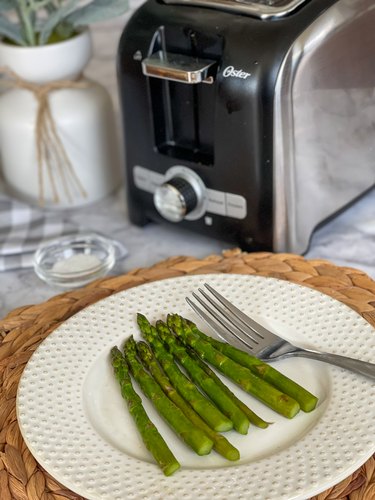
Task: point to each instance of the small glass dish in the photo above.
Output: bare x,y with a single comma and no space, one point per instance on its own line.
74,261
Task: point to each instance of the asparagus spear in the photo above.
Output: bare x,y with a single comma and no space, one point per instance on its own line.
306,400
193,437
275,399
153,441
221,444
252,416
209,413
200,377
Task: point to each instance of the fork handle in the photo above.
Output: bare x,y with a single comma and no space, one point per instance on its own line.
354,365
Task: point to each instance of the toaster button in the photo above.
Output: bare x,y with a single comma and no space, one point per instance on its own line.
216,202
147,180
236,206
155,179
141,178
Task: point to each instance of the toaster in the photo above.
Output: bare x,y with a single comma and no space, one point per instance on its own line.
249,121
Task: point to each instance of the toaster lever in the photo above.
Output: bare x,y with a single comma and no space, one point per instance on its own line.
178,68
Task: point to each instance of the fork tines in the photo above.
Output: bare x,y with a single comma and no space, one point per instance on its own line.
227,320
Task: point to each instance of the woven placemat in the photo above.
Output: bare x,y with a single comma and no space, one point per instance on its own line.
21,331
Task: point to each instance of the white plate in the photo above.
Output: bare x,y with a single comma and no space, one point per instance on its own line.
77,426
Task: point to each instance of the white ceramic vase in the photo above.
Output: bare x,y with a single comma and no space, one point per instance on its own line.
83,117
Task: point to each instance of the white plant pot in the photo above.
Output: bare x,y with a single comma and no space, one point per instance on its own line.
84,120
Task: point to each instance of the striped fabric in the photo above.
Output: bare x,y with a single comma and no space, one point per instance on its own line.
24,228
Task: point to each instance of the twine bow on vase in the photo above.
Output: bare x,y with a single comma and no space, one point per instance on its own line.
52,158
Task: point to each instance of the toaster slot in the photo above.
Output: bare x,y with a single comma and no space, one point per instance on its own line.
182,97
183,121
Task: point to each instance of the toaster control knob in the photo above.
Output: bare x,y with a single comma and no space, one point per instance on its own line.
175,199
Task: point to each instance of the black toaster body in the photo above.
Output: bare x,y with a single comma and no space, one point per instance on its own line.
201,153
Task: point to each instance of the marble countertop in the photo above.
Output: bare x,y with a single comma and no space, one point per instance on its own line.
348,239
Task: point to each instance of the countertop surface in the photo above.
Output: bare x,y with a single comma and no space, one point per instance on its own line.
347,240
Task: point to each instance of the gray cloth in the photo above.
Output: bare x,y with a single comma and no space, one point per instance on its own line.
24,228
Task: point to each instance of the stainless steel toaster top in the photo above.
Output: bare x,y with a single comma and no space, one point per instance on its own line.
262,9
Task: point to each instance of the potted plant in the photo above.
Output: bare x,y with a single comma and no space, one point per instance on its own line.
64,122
39,22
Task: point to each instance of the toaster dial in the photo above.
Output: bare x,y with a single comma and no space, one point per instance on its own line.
181,196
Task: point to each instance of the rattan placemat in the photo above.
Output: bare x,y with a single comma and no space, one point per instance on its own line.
21,477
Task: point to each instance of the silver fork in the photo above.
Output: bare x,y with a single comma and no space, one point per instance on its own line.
235,327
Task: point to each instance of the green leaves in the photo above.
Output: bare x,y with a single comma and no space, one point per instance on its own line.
6,5
54,19
39,21
11,31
